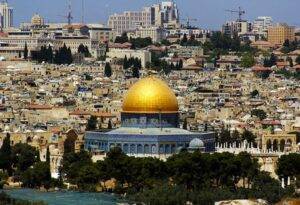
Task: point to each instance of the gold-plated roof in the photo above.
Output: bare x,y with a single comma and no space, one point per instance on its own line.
150,95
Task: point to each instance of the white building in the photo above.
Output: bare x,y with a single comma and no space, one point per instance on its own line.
6,15
155,33
165,14
143,55
261,25
130,20
13,43
101,33
238,27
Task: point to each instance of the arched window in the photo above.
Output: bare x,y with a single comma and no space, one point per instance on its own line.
168,149
282,145
275,145
173,148
125,148
147,149
140,149
161,149
153,149
132,149
269,144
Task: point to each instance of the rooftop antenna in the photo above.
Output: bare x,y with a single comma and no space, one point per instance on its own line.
82,12
69,16
240,12
160,120
188,21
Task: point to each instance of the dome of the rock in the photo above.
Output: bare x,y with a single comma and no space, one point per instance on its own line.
150,95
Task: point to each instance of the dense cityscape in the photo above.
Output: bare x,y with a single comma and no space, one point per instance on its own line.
149,109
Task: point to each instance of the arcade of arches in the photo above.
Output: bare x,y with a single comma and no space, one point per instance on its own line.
281,142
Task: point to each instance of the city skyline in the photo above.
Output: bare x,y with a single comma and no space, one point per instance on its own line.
275,8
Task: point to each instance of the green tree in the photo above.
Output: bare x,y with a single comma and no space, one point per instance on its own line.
135,72
286,47
125,63
115,166
122,39
184,40
81,49
107,70
109,126
248,136
25,53
235,136
140,42
165,42
265,187
3,179
88,177
5,155
49,54
48,155
23,157
92,123
185,124
180,65
247,60
254,94
298,59
72,162
289,166
269,62
261,114
224,136
37,176
290,60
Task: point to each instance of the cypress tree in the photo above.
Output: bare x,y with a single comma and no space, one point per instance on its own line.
109,126
25,51
81,48
48,156
50,54
69,58
125,63
92,123
86,52
107,70
56,58
180,64
5,154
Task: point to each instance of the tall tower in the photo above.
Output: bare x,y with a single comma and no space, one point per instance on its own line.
69,16
6,15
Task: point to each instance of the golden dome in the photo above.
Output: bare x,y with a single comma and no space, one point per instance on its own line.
150,95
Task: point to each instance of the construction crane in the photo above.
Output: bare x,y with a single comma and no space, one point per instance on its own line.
240,12
188,21
69,16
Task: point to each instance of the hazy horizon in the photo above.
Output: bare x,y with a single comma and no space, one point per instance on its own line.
211,14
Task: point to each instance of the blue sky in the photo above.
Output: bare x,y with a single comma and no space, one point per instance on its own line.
210,13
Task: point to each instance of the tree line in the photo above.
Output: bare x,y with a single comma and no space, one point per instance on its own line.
135,42
84,50
22,163
185,176
61,56
135,64
163,65
227,137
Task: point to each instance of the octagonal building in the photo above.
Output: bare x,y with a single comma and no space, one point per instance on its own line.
149,124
